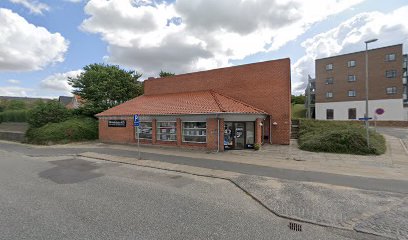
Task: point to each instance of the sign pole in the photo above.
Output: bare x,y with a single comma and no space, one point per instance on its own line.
138,142
136,123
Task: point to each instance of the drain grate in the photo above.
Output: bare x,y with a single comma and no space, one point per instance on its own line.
295,226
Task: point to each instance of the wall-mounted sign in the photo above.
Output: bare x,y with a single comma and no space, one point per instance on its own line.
379,111
116,123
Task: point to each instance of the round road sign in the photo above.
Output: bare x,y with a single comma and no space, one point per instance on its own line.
379,111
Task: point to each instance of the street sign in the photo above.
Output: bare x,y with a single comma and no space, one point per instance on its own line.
365,119
136,120
379,111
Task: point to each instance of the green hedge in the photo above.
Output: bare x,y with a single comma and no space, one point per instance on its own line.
339,137
71,130
14,116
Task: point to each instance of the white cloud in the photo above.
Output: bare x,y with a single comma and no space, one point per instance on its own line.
34,6
193,35
59,81
15,91
349,36
26,47
74,1
13,81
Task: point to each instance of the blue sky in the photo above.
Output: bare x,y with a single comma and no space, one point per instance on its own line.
42,42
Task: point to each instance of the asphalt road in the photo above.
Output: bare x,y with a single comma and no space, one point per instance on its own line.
401,133
398,186
81,199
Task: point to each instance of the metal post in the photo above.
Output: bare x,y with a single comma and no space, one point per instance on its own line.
366,91
138,141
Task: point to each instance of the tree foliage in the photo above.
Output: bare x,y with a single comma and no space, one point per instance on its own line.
49,112
166,74
298,99
103,86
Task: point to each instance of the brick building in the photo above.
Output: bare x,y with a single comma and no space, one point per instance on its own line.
340,85
227,108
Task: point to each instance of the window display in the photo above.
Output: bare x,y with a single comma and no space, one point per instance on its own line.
145,129
195,132
166,131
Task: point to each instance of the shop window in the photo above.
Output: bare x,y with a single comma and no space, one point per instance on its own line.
352,113
195,132
351,63
391,73
250,134
145,129
390,57
166,131
391,90
329,114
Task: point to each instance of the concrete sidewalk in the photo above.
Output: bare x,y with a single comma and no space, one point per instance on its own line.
391,165
322,204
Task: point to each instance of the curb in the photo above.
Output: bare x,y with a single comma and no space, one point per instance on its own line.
135,163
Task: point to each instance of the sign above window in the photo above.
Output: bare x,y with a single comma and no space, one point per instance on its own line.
116,123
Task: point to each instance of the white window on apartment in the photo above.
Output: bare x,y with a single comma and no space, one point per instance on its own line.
351,63
329,67
166,131
329,80
391,73
195,132
329,94
390,57
145,130
391,90
351,78
351,93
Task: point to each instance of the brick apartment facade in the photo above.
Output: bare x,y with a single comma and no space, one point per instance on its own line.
228,108
340,85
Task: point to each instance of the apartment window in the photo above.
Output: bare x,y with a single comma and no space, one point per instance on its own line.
195,132
351,78
391,73
329,67
352,113
391,90
145,130
329,114
166,131
329,80
351,63
390,57
329,94
352,93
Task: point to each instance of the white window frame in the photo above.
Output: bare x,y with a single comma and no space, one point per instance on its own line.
329,67
351,63
353,93
392,75
392,92
199,129
351,78
151,128
159,133
388,57
329,81
329,94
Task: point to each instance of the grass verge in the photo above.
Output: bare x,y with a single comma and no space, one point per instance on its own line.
71,130
339,137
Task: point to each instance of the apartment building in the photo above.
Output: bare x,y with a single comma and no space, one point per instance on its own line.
340,85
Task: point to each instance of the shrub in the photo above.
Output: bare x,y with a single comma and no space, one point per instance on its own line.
339,137
257,146
49,112
14,116
71,130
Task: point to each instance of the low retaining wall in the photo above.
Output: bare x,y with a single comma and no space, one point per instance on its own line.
12,136
390,123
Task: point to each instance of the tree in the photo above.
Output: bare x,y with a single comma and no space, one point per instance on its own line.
49,112
16,105
298,99
165,74
103,86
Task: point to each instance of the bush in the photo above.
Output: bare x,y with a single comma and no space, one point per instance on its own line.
14,116
49,112
71,130
339,137
257,146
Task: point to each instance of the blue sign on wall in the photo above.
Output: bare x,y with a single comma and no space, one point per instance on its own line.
136,120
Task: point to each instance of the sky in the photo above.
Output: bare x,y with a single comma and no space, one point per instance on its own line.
43,42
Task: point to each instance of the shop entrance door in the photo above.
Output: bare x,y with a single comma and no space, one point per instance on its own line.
234,135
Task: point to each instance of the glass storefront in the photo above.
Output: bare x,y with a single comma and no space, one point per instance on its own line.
239,135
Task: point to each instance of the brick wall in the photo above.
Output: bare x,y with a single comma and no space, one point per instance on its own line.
117,134
264,85
212,136
403,124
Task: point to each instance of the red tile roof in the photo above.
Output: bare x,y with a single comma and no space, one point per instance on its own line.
202,102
